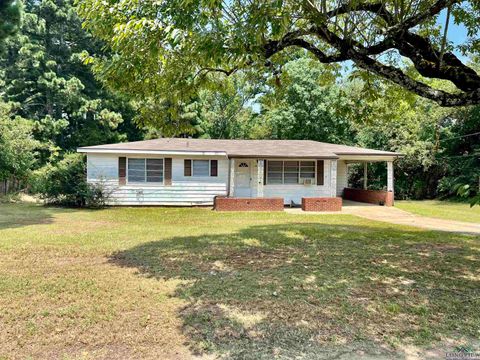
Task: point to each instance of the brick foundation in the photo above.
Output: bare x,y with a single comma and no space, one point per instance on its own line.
248,204
321,204
378,197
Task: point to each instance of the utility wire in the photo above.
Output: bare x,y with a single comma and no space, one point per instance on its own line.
459,156
462,136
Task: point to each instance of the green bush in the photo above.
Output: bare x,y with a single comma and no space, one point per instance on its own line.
64,183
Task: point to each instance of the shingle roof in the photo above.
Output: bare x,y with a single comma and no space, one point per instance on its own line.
243,148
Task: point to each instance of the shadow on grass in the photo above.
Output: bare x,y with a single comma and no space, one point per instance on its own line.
318,291
17,215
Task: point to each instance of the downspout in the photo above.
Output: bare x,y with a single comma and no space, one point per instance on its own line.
228,177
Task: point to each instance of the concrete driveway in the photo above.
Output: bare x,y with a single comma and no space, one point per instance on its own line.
396,216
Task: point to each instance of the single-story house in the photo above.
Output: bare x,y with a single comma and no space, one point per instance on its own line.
186,172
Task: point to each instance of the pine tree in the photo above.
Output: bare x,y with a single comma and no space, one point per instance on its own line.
10,11
44,72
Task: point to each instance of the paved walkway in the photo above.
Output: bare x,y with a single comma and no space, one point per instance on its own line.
396,216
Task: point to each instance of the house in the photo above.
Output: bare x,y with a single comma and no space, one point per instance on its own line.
185,172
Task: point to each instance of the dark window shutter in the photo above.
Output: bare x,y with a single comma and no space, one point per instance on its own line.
168,171
122,170
265,168
320,172
213,167
187,168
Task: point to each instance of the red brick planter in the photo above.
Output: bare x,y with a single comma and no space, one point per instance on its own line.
378,197
321,204
248,204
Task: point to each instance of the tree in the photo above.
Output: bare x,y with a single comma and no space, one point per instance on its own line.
395,120
42,71
461,155
308,105
10,12
172,47
225,113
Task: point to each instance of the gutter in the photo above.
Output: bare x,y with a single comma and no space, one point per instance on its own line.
156,152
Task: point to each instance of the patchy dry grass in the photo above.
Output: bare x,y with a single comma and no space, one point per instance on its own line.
448,210
180,283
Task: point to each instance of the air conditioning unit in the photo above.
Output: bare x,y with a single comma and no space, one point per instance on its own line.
308,181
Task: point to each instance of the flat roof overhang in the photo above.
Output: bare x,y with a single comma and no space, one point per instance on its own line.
369,157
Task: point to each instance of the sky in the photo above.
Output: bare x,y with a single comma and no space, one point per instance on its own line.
456,33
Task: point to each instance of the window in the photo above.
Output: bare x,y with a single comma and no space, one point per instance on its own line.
145,170
201,168
307,170
275,172
290,172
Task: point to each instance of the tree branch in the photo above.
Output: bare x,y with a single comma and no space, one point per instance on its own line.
433,10
210,69
397,76
417,48
426,60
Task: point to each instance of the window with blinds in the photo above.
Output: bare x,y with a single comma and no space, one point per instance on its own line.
200,168
290,172
145,170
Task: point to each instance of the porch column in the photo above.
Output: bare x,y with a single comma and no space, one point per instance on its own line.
390,176
260,172
333,178
365,175
232,178
390,193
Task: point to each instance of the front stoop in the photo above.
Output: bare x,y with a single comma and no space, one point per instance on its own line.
248,204
321,204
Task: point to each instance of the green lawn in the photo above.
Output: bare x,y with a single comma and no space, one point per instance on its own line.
442,209
155,283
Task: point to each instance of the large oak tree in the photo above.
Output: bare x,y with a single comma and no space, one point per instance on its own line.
172,46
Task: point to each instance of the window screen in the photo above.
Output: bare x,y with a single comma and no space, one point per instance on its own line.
307,169
289,172
145,170
154,170
201,167
136,170
275,172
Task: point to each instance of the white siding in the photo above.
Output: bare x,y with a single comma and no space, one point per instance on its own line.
295,193
199,190
183,191
342,177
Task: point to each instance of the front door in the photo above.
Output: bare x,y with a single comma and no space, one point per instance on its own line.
243,178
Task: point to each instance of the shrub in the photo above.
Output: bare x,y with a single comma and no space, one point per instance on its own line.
64,183
18,148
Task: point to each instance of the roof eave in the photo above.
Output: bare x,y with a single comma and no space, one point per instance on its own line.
90,150
369,154
242,156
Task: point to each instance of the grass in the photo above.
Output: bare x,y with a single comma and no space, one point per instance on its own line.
442,209
153,283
